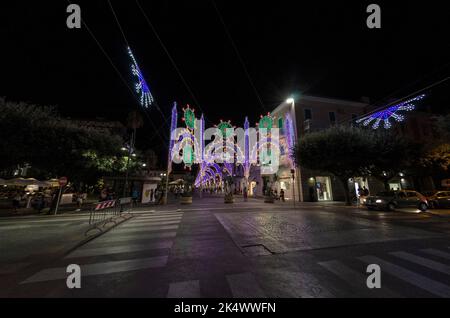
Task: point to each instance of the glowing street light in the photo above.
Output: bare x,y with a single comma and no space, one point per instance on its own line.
290,100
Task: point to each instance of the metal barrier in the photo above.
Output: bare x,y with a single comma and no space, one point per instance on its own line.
105,212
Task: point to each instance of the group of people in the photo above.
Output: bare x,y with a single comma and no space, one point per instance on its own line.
36,200
280,196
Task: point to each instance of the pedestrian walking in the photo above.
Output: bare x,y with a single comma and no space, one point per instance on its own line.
16,201
79,201
366,191
282,195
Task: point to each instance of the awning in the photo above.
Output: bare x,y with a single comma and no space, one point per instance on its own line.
22,182
177,182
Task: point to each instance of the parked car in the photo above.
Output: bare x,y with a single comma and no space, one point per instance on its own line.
390,200
438,199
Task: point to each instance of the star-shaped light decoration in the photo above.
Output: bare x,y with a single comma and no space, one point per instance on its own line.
141,86
390,112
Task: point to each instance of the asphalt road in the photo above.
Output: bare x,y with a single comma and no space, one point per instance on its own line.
245,249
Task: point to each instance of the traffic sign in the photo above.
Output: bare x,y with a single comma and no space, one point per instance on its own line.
62,181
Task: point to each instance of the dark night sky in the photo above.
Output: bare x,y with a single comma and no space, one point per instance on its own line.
322,48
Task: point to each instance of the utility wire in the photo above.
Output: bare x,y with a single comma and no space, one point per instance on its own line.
117,71
233,44
409,85
128,45
400,99
170,58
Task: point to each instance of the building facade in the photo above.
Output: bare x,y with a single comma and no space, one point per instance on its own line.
310,113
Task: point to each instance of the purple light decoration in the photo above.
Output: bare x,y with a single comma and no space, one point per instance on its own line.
202,141
390,112
246,149
173,126
141,86
289,135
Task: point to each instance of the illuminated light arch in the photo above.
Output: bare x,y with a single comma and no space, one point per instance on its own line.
207,156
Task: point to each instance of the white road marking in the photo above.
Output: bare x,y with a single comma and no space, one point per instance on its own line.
131,237
99,269
357,280
146,229
435,252
107,250
153,223
439,267
425,283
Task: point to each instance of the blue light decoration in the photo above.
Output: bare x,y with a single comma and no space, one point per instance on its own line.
391,112
173,126
141,86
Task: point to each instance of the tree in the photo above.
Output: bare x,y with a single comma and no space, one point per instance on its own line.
391,154
51,145
347,152
343,151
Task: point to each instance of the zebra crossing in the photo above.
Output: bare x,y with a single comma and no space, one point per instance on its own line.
413,268
144,242
350,272
42,222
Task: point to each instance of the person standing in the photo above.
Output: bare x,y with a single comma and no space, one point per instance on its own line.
79,201
282,195
152,194
245,194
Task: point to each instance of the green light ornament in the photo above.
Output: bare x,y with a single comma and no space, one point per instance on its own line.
223,126
189,117
266,122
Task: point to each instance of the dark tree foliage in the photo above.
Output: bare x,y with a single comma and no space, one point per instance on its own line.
36,135
348,152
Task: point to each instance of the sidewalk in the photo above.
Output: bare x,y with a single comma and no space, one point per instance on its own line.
69,208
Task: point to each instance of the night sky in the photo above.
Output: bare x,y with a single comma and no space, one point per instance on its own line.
288,48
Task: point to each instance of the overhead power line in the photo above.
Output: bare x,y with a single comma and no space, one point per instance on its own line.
117,71
244,67
128,45
175,66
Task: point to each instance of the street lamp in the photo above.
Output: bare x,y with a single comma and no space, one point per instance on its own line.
290,100
130,149
293,185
